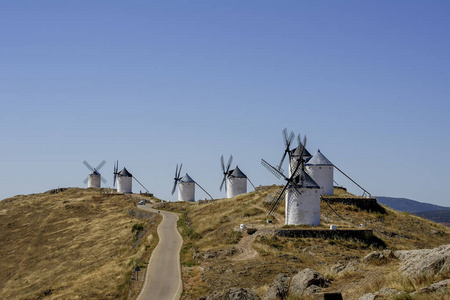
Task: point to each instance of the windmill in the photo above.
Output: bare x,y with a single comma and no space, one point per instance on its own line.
93,179
237,180
186,186
300,192
124,180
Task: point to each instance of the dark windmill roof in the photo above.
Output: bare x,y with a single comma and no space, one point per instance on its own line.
95,172
319,160
296,152
187,179
237,173
303,180
125,173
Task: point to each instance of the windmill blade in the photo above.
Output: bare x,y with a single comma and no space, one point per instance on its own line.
285,137
273,170
86,180
116,168
229,163
176,178
101,165
174,186
204,190
223,181
287,142
103,179
176,172
251,183
277,199
290,139
179,171
88,165
281,162
222,163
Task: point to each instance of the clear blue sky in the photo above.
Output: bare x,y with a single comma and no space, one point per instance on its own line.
156,83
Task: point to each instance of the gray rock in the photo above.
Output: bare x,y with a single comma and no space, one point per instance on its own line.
305,279
279,288
378,257
312,289
350,266
369,296
385,291
424,262
233,294
439,287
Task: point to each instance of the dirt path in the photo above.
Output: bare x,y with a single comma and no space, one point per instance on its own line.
245,245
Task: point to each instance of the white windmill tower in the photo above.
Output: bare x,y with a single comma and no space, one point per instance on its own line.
95,178
237,180
186,186
301,193
321,170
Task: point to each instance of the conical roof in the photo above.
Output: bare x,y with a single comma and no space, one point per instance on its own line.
303,180
237,173
95,172
296,152
319,160
125,173
187,179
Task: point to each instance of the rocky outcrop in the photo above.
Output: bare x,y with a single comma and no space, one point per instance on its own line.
378,257
279,288
233,294
425,262
307,282
441,287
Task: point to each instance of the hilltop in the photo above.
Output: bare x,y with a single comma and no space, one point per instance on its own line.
72,243
218,256
84,243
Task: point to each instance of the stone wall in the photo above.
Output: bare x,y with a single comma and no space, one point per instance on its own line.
367,204
364,235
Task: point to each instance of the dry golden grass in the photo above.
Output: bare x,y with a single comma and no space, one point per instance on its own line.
210,227
75,244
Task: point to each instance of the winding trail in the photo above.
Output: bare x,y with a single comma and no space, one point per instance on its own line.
163,276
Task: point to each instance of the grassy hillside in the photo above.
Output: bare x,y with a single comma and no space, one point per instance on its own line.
70,243
216,257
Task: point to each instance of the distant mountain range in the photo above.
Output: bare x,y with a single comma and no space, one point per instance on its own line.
436,213
411,206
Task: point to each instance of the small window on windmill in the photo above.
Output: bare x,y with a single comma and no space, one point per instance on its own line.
320,167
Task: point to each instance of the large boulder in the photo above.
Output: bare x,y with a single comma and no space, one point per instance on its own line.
307,282
233,294
425,262
378,257
279,288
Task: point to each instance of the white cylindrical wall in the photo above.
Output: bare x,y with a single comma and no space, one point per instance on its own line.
94,181
323,176
186,191
124,184
303,208
236,186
